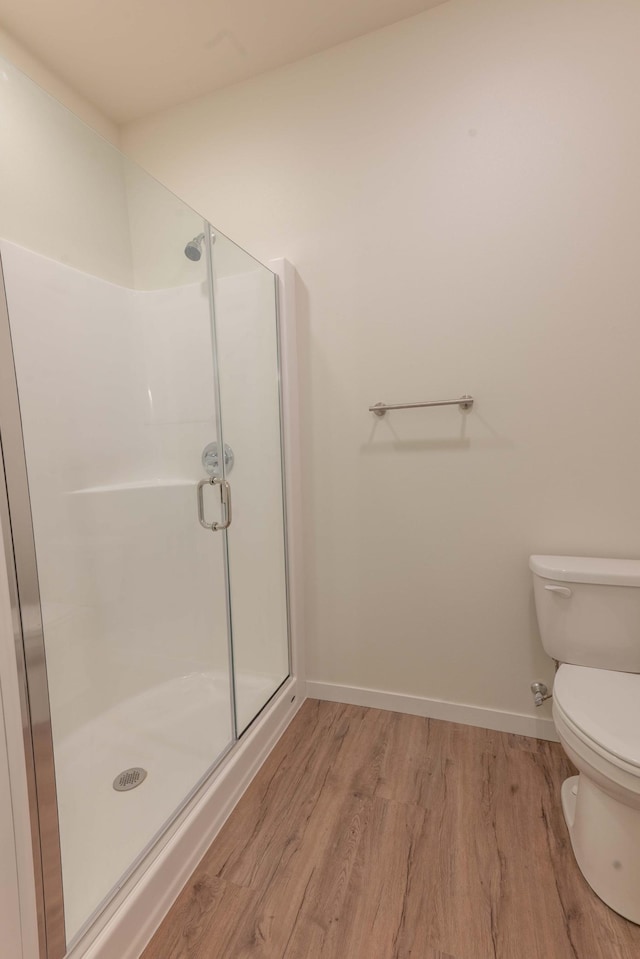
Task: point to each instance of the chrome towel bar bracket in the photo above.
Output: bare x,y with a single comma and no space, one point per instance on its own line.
464,402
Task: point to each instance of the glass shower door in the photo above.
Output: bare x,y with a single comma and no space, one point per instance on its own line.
123,592
247,338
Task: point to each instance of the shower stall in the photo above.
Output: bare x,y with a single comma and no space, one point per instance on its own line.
143,505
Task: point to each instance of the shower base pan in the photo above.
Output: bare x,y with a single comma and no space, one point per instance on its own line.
175,732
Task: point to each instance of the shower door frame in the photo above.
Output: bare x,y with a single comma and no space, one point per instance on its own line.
28,636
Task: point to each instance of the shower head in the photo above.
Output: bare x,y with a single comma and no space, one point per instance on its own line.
193,249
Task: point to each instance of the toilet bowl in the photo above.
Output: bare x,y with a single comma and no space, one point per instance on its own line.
601,805
589,615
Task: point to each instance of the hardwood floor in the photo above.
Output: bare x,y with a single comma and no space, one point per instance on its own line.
376,835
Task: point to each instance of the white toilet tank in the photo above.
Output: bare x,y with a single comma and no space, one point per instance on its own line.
589,610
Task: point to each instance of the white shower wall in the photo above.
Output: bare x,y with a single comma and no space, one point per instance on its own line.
116,398
248,365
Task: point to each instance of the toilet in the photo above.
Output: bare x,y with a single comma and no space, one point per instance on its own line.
589,616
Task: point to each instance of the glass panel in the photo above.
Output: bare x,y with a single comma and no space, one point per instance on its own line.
112,340
247,337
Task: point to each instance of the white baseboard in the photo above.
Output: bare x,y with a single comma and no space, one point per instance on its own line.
540,727
140,906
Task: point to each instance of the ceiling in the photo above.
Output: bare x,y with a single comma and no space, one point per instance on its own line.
134,57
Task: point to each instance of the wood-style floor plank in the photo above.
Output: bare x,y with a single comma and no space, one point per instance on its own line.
292,777
205,912
321,839
375,835
456,871
375,907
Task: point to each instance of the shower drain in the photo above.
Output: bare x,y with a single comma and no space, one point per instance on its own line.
129,779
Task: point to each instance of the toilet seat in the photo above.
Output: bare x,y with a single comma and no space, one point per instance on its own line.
597,717
602,708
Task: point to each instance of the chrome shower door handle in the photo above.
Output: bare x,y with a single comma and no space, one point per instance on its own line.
201,486
225,499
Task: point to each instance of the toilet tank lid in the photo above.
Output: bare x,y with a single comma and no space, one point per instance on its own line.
587,569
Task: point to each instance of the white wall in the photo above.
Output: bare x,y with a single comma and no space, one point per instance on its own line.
62,187
459,194
13,51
